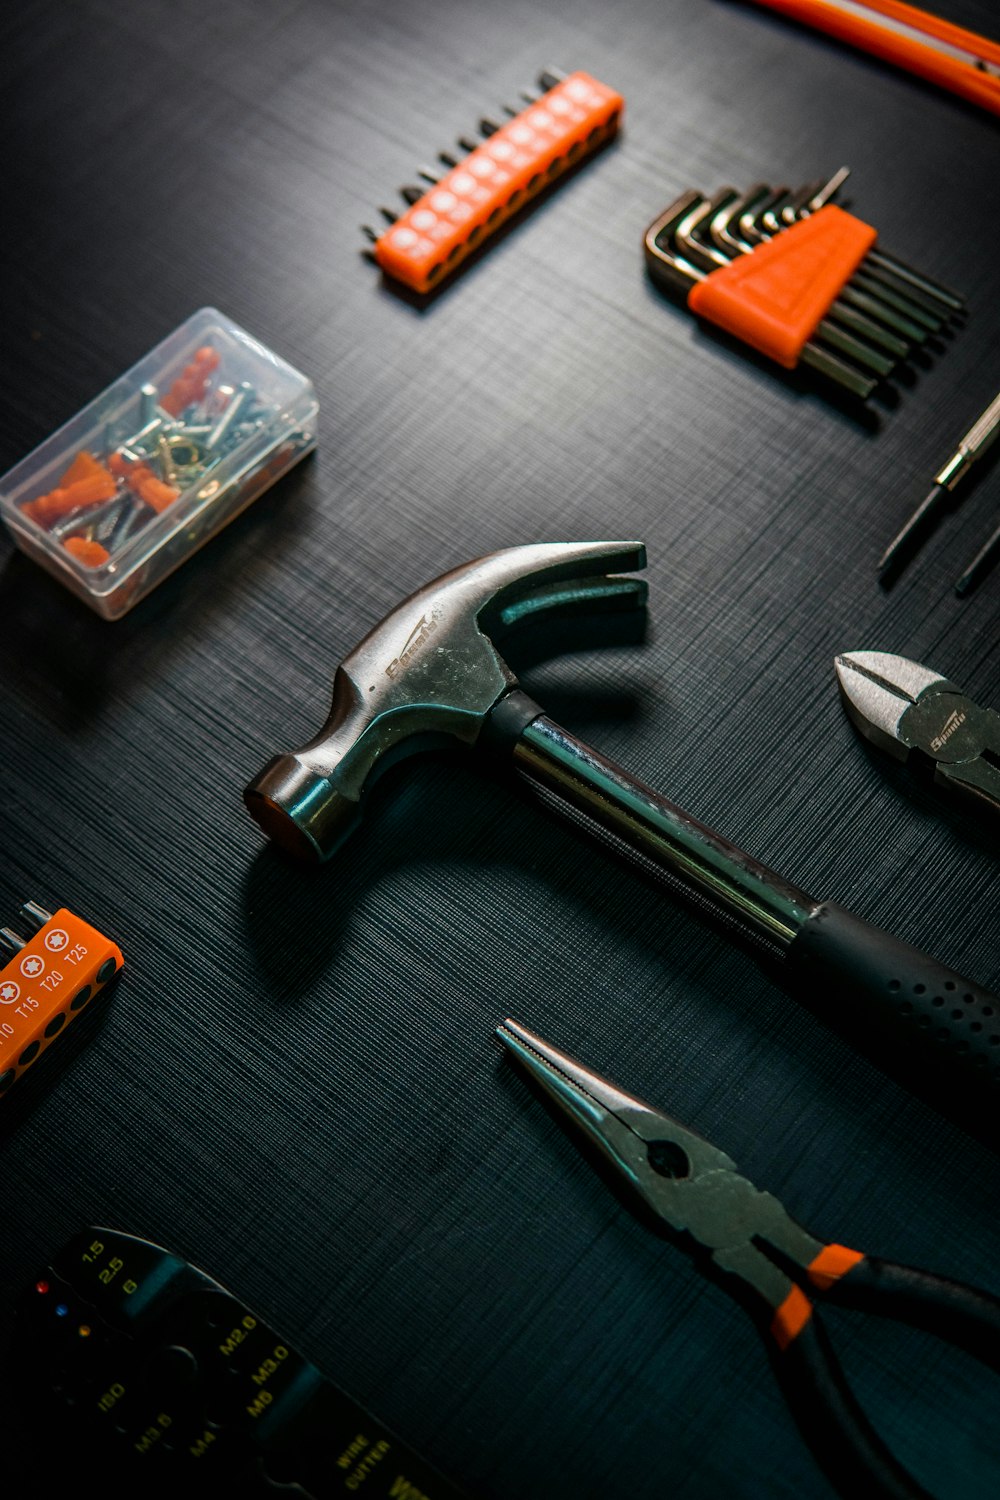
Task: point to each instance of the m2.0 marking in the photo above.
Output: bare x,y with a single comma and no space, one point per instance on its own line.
954,721
424,628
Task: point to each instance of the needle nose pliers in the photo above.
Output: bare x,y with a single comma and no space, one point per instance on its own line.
903,707
773,1264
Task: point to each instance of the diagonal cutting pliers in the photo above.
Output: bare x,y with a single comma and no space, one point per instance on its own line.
903,707
769,1261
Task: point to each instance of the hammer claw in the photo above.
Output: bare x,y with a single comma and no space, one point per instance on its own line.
572,598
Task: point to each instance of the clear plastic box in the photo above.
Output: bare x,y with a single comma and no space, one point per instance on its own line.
159,462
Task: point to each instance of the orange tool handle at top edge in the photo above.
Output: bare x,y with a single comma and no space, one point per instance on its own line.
938,27
906,52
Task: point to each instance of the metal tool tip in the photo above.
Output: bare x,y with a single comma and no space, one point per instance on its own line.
509,1032
848,664
539,1056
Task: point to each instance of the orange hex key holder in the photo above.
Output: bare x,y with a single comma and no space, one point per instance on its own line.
469,201
798,279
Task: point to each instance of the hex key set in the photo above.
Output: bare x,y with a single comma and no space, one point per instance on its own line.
799,279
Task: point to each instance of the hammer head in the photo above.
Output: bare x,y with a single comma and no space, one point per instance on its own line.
428,675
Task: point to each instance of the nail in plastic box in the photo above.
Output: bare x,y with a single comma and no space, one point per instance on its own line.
159,462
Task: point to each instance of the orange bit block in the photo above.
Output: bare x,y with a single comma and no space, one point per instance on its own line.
47,984
527,153
775,298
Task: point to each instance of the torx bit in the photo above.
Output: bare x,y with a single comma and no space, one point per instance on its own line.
11,940
972,446
36,914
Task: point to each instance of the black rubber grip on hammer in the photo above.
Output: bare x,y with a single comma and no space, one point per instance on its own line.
910,1005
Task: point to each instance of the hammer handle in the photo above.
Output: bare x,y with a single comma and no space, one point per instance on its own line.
729,881
897,1001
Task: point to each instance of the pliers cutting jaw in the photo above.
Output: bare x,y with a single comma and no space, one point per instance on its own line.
903,707
690,1186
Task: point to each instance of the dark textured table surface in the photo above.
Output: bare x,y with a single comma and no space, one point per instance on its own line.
296,1085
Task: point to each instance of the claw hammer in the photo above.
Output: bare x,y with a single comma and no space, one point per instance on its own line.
431,674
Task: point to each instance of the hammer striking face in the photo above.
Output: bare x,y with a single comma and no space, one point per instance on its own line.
430,674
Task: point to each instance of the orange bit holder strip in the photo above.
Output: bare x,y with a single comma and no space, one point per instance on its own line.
47,984
775,298
496,179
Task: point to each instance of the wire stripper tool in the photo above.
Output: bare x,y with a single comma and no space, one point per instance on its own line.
180,1389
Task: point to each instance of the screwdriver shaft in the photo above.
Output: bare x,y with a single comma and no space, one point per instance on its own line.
920,517
971,446
986,554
